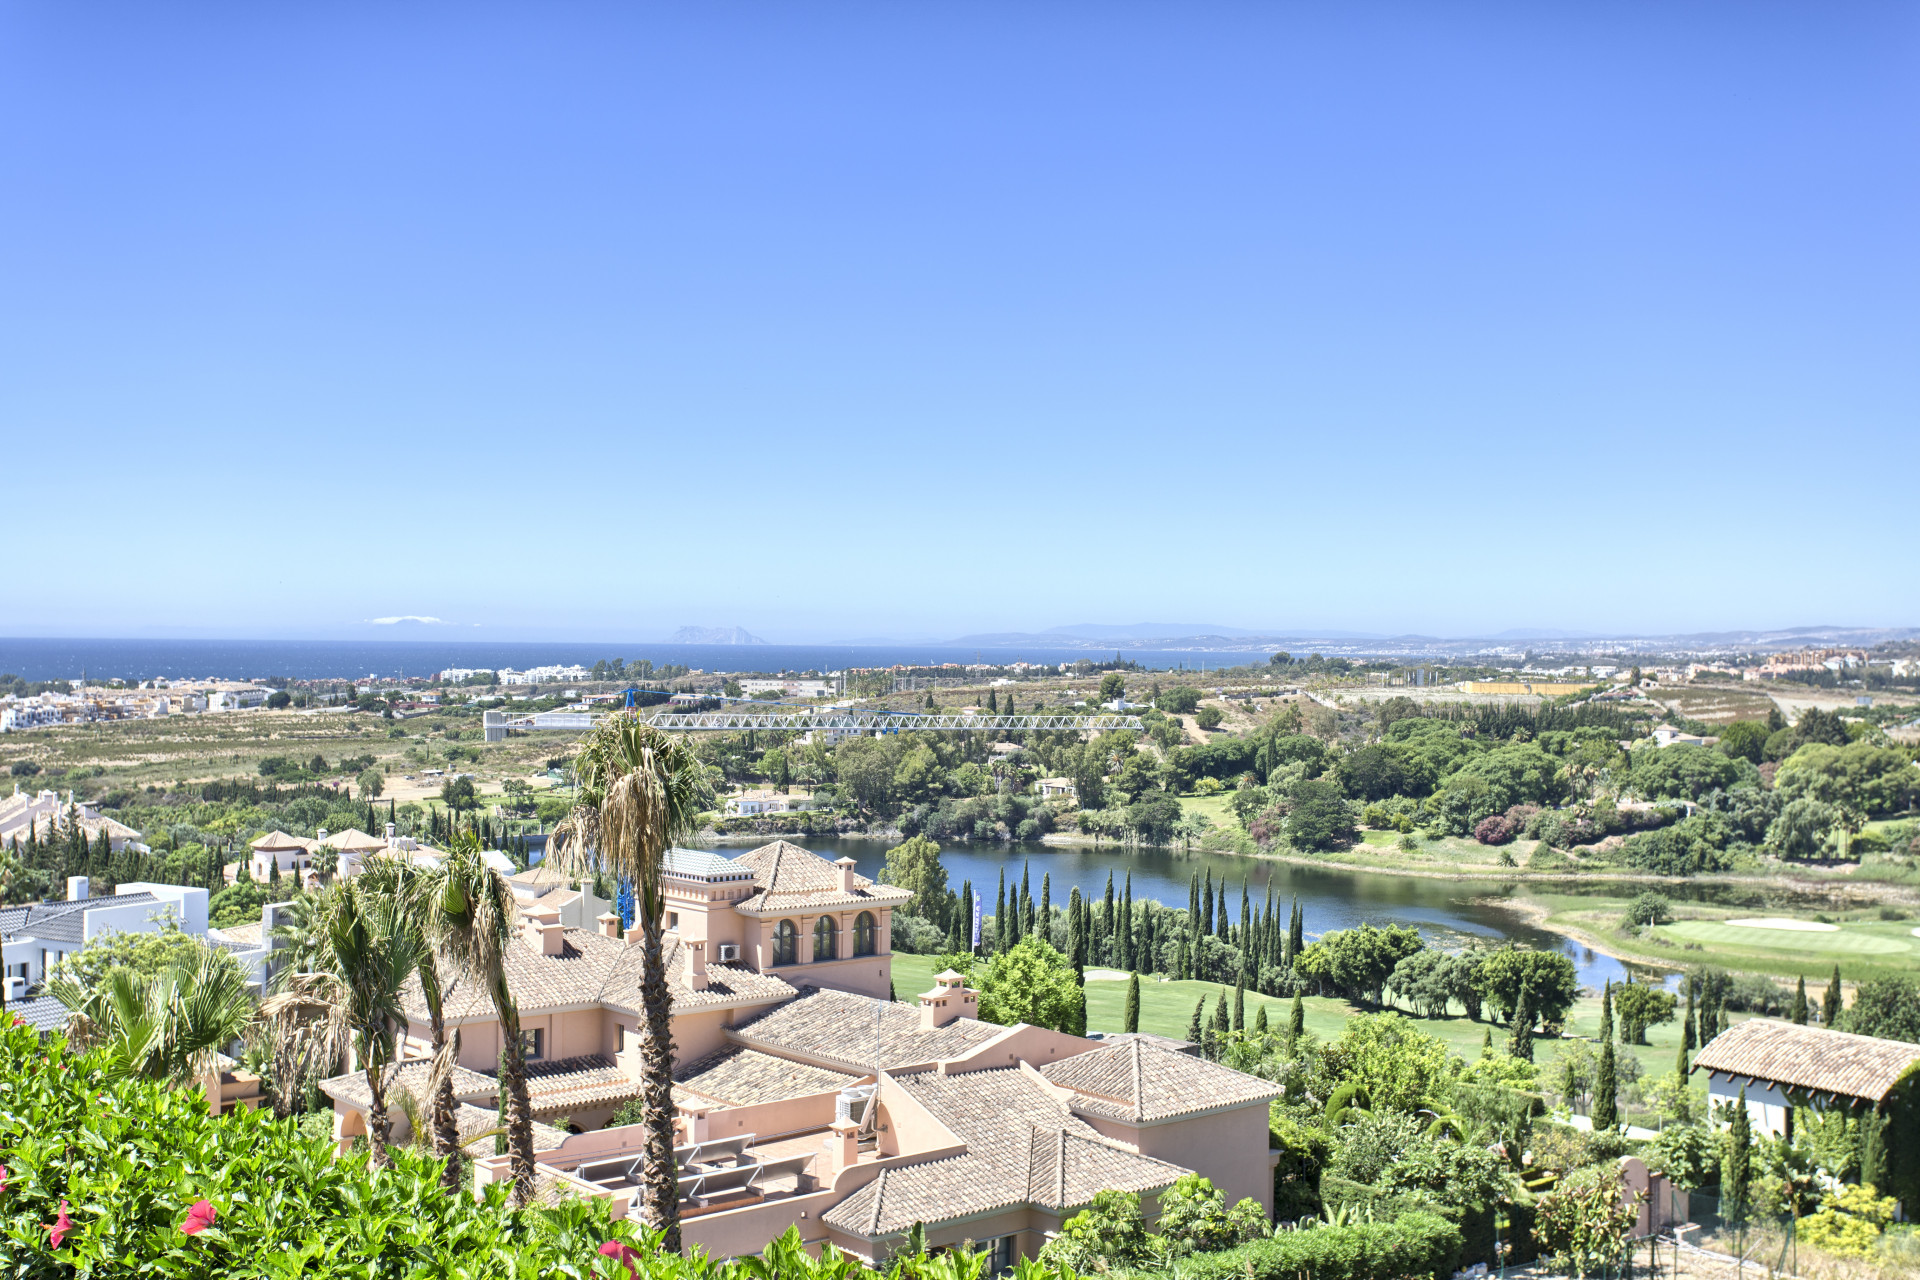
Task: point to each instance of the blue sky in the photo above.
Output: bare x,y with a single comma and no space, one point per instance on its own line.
834,320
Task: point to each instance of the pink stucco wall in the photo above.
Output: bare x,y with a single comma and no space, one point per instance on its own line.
1229,1147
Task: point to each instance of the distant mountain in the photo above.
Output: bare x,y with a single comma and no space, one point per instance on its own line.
1145,630
1537,633
714,635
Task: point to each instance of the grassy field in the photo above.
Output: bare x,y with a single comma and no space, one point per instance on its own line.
1166,1008
1846,940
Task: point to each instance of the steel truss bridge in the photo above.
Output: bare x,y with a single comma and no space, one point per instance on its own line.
498,722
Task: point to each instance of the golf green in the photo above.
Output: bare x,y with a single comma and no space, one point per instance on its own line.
1840,942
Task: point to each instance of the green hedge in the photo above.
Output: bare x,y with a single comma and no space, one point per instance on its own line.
1415,1245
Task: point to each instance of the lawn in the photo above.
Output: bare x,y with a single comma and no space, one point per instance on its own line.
1166,1008
1844,941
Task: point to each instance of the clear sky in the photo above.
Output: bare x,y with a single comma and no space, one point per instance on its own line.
567,320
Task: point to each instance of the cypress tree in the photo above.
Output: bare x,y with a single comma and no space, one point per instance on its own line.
1000,914
1206,905
1148,958
1520,1040
1606,1090
1720,1026
1046,907
1026,901
1126,928
1193,1028
1240,1001
1246,920
1260,1019
1133,1002
1296,1020
1106,917
1606,1013
1222,926
1486,1043
1217,1035
1830,1007
1736,1166
1185,965
964,912
1193,901
1799,1011
1297,936
1687,1040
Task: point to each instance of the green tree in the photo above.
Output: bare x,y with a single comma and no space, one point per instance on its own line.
1548,977
1194,1030
371,783
1107,1235
1181,700
355,991
1798,1013
641,791
1830,1004
914,864
1584,1222
146,955
1744,740
1031,983
1876,780
1887,1007
169,1026
458,794
1640,1006
1132,1016
1736,1166
1296,1021
1112,685
1606,1091
1400,1067
1520,1042
1358,961
1208,718
1318,816
1650,908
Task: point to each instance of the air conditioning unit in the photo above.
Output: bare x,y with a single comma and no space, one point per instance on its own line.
729,952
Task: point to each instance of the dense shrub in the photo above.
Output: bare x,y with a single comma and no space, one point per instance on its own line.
1415,1244
1494,830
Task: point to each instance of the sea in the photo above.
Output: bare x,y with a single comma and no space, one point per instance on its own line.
134,659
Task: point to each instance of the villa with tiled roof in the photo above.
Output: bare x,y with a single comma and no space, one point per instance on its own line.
806,1097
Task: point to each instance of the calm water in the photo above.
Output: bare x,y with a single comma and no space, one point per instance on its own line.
56,659
1446,912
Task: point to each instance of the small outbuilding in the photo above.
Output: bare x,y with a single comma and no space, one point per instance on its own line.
1782,1065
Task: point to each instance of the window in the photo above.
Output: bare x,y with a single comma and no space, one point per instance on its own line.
1000,1255
824,938
673,919
534,1044
864,931
786,943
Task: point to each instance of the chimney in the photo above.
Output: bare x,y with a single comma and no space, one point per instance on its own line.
320,836
76,888
609,924
846,866
950,998
696,975
544,932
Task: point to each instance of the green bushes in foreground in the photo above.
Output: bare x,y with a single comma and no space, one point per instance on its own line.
1412,1245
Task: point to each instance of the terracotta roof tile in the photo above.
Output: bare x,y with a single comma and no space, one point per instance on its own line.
1023,1148
1810,1058
1139,1081
789,878
742,1077
594,970
858,1033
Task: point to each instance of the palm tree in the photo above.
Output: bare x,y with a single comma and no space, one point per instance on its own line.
354,993
170,1027
474,927
640,791
417,893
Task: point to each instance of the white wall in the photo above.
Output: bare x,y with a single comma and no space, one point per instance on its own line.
189,905
1767,1106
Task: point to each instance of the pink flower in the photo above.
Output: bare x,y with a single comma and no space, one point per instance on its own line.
58,1228
3,1178
199,1218
625,1254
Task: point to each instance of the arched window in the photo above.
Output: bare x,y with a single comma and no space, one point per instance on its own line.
825,938
786,943
864,930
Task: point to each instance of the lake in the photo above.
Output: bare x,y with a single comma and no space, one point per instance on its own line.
1446,912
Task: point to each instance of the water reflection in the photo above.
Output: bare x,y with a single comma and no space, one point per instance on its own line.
1446,912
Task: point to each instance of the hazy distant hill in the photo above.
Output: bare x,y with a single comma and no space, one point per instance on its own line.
715,635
